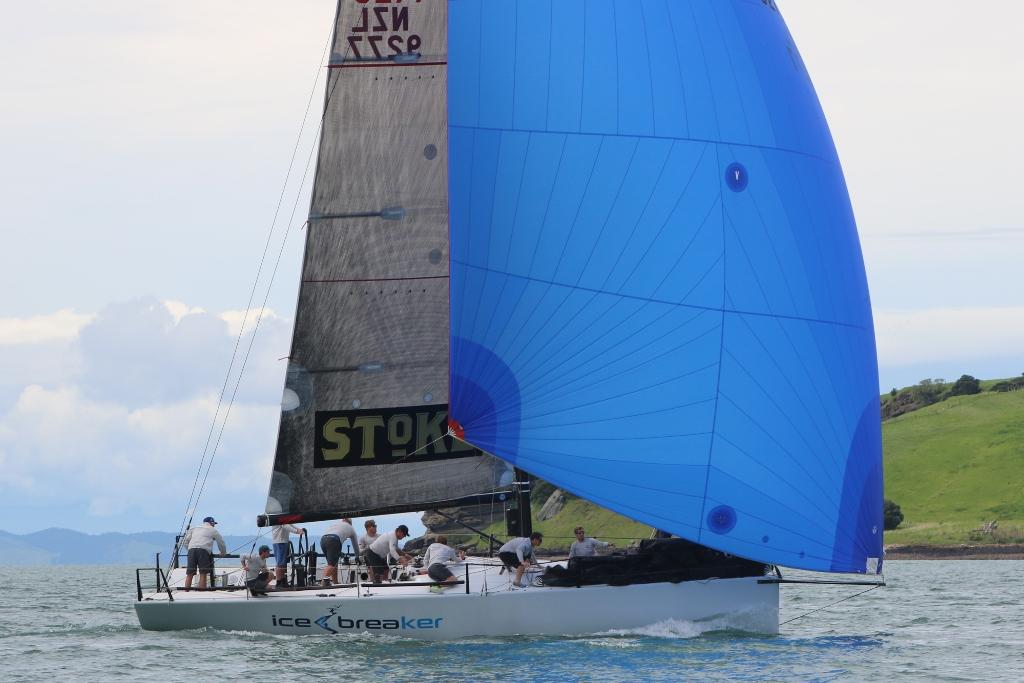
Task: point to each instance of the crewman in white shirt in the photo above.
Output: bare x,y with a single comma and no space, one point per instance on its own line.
279,538
436,560
386,545
199,541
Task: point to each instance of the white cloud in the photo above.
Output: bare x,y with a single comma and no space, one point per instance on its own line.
140,353
109,424
943,335
236,319
179,309
59,445
63,325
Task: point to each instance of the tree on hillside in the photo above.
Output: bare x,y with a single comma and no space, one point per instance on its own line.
927,392
892,516
1013,385
965,386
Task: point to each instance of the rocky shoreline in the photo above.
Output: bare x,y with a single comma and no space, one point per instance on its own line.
1013,551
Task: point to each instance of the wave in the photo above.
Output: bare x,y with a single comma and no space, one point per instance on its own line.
746,623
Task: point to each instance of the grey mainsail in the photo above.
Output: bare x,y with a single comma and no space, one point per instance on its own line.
364,412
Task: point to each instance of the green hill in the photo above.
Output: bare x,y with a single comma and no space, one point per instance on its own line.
952,466
955,465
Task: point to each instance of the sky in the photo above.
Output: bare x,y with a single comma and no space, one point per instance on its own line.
143,152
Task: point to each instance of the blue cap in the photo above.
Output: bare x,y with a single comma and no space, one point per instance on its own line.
209,520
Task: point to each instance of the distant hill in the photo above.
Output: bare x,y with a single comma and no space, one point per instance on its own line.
63,546
931,391
955,465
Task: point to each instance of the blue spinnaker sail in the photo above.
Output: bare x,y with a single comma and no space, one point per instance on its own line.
658,298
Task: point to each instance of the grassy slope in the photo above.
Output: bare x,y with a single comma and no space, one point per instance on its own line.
956,464
951,467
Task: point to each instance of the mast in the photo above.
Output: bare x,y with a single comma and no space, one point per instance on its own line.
518,515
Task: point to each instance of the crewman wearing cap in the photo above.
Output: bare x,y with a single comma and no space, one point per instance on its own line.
199,541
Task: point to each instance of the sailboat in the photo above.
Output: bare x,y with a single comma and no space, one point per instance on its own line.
605,243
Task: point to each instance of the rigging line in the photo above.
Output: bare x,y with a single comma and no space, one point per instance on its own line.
252,293
266,297
424,447
251,542
849,597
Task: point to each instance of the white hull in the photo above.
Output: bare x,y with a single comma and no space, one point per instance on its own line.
413,611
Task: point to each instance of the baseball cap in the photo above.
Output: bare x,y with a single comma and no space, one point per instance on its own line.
209,520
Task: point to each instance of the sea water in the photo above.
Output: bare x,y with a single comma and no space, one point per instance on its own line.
936,621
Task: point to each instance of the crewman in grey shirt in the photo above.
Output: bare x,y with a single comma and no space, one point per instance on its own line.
256,574
436,559
585,547
332,540
518,554
370,537
199,541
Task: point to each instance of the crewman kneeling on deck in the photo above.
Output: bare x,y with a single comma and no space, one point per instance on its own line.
518,554
386,545
436,560
199,541
256,574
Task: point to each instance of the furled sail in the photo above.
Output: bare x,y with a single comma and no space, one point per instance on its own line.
364,412
658,295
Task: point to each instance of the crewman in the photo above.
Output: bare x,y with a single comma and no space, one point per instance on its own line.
518,554
256,575
436,560
331,543
585,547
377,554
370,537
279,536
199,541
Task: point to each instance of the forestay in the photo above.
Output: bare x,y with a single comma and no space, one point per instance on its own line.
364,413
658,296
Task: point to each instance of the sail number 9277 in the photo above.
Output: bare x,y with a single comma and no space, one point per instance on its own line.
381,30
